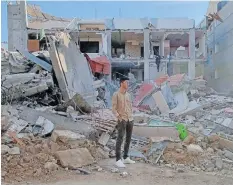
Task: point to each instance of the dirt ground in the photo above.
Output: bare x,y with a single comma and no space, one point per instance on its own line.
138,174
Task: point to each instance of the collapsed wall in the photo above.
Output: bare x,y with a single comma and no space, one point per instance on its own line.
71,68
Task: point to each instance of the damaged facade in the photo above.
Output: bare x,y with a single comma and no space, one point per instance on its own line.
148,48
219,43
56,96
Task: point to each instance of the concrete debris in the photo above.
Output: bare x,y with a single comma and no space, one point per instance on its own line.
228,154
124,174
71,66
4,149
114,170
194,149
17,125
77,102
74,158
219,163
99,153
45,126
161,102
103,140
51,166
61,122
65,136
14,151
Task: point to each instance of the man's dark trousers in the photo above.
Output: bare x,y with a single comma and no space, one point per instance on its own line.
122,127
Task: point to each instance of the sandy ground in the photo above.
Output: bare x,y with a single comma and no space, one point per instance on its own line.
139,173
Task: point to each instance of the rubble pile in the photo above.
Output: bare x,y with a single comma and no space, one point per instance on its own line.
205,143
41,103
23,80
58,117
40,157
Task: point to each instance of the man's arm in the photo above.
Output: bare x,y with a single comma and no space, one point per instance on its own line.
114,105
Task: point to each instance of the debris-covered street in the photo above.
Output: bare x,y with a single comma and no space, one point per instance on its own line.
57,123
138,174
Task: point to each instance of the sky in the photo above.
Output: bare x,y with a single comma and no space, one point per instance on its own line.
102,9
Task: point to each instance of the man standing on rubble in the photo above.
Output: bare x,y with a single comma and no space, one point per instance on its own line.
122,109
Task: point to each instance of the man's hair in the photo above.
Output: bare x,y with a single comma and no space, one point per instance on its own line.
123,79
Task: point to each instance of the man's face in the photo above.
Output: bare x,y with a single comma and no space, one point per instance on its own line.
125,84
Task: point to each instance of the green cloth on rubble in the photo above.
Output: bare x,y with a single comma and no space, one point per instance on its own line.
183,133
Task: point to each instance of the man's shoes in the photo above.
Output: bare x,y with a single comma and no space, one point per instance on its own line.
120,164
128,161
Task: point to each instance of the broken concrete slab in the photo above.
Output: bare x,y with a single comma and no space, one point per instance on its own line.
183,102
60,122
228,154
71,66
65,135
219,163
57,66
15,79
103,140
31,91
161,102
17,125
4,149
17,63
192,108
46,126
74,158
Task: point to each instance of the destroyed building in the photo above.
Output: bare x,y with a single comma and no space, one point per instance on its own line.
131,45
219,41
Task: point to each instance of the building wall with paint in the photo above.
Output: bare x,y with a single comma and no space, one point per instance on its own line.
219,65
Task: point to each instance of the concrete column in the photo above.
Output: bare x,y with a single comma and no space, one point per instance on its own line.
162,46
106,48
106,43
146,54
17,33
191,64
202,45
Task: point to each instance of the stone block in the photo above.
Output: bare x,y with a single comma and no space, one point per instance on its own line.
104,138
14,151
74,158
65,136
219,163
228,154
194,149
4,149
51,166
